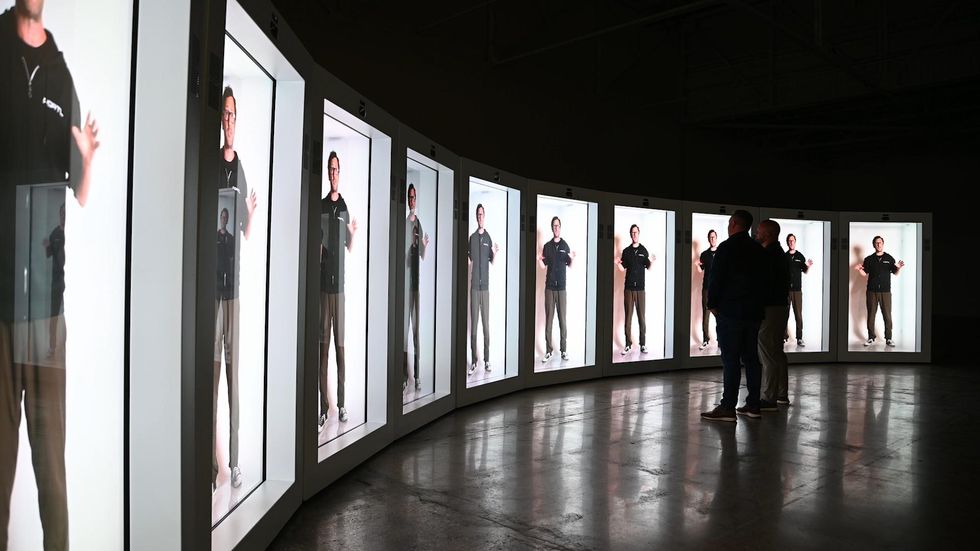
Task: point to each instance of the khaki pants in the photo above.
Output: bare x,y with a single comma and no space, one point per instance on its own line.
332,317
413,322
637,300
42,392
226,337
705,314
555,300
796,302
775,375
885,300
480,309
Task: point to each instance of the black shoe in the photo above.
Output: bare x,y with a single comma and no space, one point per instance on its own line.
720,413
766,405
752,412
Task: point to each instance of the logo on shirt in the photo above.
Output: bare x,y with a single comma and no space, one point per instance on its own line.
53,106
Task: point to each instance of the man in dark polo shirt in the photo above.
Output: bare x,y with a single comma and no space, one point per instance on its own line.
337,230
42,143
556,256
798,265
232,185
704,263
482,251
878,268
417,243
635,260
735,298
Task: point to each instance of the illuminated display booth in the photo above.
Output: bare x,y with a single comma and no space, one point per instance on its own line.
564,263
65,149
643,268
346,391
490,282
885,277
705,227
808,335
427,245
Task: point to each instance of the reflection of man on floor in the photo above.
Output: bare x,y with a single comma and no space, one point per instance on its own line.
418,241
878,268
227,305
704,266
54,248
41,142
556,256
798,265
634,261
481,254
337,230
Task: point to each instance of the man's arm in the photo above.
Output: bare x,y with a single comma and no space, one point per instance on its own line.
898,266
494,251
351,230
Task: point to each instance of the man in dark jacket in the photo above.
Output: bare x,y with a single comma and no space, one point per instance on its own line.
776,301
735,298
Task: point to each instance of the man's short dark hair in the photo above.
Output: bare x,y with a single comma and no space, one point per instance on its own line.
712,232
229,93
477,211
743,219
333,155
877,237
411,188
634,226
553,218
788,236
773,227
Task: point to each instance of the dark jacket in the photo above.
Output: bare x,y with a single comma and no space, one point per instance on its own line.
737,278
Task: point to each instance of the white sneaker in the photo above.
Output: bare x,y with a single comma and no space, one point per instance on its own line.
236,477
322,422
343,415
486,365
626,350
799,342
564,356
703,345
546,358
472,369
890,342
643,349
869,342
404,384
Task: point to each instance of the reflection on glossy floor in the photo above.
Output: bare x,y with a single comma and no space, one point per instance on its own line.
866,457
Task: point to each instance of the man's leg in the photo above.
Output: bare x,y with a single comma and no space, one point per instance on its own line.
750,359
338,339
768,342
640,300
562,325
218,340
628,310
414,313
782,365
485,320
549,318
44,406
886,313
730,343
872,313
325,324
11,390
705,314
231,376
797,299
474,312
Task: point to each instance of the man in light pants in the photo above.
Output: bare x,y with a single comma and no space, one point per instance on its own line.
775,377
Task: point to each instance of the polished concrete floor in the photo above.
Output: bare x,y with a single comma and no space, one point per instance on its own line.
881,457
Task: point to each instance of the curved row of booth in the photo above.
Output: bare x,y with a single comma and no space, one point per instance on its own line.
267,279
